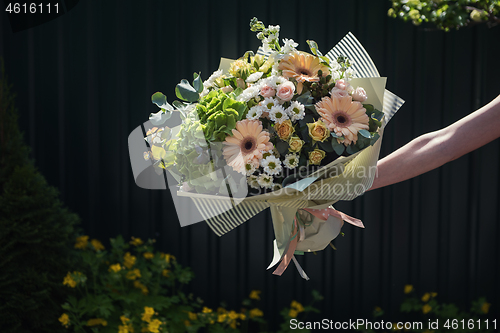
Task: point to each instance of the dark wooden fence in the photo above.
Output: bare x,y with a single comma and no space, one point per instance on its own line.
84,81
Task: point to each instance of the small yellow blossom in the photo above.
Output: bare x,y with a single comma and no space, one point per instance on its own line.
64,319
154,326
242,316
232,315
256,313
148,255
97,321
97,245
485,307
115,268
125,328
192,316
81,242
297,306
136,241
165,272
139,285
293,313
426,297
255,294
221,318
148,313
68,281
233,324
206,310
133,274
129,260
187,323
408,288
221,310
169,257
124,319
426,308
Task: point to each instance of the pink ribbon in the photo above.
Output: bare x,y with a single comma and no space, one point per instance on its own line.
298,233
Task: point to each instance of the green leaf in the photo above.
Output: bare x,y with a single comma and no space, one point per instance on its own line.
374,138
338,147
197,82
314,48
365,133
159,99
352,149
186,92
282,147
326,146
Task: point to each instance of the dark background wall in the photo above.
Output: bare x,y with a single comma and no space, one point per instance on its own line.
84,82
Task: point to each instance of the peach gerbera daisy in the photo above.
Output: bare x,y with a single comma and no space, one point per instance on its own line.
248,142
302,67
343,116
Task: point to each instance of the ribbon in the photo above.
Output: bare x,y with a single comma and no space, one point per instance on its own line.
298,234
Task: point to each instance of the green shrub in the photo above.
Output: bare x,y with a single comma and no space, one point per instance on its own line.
34,233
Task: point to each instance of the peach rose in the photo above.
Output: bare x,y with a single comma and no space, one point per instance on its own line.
316,156
318,131
267,91
285,91
284,130
295,144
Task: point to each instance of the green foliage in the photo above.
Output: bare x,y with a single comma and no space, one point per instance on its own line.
447,15
34,233
130,287
436,317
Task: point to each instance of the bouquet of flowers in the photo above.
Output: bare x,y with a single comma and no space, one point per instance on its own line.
282,128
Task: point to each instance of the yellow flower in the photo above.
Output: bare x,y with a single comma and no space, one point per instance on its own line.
68,280
221,318
165,272
169,257
206,310
242,316
125,328
256,313
192,316
284,130
238,67
316,156
64,319
148,313
81,242
233,324
115,268
426,308
434,294
148,255
293,313
133,274
297,306
124,319
97,321
232,315
187,323
97,245
154,326
295,144
408,288
255,294
485,307
318,131
221,310
426,297
129,260
136,241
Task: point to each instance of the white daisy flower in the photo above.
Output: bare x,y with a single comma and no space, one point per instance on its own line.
254,77
291,161
265,180
268,103
253,181
275,81
248,94
271,165
296,111
255,112
278,114
251,166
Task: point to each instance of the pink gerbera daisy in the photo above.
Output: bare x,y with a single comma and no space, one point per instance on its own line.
248,142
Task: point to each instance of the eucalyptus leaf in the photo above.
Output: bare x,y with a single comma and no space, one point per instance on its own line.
159,99
365,133
374,138
197,82
282,147
186,92
352,149
326,146
314,47
338,147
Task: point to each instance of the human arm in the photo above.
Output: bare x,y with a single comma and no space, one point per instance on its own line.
432,150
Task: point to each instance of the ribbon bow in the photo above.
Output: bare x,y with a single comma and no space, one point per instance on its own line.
298,234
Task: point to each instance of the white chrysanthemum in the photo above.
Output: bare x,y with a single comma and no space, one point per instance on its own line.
296,111
289,46
271,165
268,103
275,81
254,77
210,81
265,180
348,74
251,166
255,112
278,114
253,181
248,94
291,161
